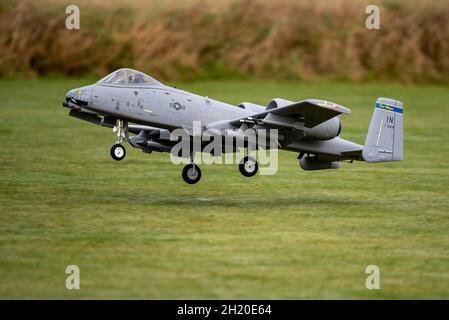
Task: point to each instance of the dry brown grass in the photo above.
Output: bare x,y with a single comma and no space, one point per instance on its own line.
204,38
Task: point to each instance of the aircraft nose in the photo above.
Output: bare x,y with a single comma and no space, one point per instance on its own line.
76,98
68,98
70,94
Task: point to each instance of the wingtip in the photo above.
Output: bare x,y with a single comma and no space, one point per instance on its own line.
330,105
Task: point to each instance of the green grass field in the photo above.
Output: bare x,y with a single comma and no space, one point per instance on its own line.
136,230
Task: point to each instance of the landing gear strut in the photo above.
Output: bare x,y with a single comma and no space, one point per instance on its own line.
248,166
118,151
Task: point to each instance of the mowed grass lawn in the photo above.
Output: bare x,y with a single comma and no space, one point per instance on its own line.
136,230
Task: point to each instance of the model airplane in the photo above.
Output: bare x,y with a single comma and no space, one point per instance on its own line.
132,102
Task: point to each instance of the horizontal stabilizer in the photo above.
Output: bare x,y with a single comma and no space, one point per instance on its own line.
310,112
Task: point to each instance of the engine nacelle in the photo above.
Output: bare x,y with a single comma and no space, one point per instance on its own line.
256,108
326,130
312,163
277,103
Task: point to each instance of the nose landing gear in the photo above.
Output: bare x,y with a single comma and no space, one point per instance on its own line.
118,151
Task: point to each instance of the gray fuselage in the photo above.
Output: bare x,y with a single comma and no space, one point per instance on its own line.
160,106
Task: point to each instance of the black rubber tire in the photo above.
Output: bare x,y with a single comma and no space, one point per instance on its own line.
187,174
115,154
244,170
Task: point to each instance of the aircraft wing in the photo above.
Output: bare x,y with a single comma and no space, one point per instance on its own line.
310,112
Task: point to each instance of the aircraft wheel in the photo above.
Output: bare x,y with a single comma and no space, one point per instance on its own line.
248,166
118,152
191,173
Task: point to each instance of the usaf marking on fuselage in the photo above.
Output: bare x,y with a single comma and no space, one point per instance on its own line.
177,106
132,102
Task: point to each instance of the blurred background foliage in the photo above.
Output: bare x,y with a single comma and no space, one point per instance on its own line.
204,39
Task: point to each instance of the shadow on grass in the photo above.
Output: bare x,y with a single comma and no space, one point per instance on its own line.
231,201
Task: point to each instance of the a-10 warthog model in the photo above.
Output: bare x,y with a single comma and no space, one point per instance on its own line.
132,102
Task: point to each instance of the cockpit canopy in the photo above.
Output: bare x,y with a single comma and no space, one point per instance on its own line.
129,77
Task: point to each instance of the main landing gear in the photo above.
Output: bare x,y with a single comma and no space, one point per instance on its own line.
191,173
248,166
118,151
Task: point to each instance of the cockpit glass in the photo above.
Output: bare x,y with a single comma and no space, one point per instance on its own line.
128,77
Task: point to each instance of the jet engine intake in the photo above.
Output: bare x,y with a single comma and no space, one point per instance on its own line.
277,103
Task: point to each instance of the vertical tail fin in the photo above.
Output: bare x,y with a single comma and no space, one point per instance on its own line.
384,141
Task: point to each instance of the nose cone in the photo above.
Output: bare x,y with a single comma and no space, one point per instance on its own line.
70,94
77,98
